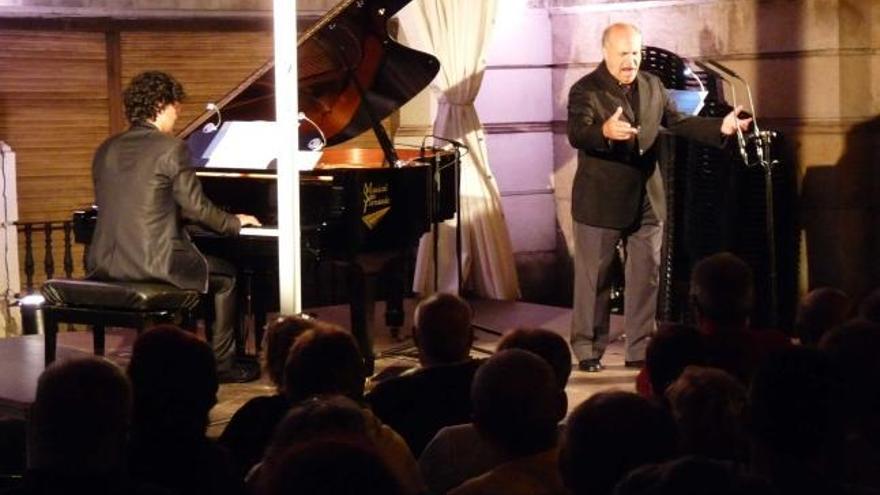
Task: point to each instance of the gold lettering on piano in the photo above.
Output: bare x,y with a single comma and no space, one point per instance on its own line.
375,196
371,219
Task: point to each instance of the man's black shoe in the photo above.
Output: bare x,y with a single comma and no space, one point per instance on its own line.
638,364
590,365
239,373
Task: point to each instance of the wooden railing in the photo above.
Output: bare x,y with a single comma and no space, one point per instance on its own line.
48,229
323,283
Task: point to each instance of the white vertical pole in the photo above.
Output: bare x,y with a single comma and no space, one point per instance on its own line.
286,112
11,283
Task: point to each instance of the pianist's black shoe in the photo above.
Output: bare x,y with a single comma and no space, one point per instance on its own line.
240,372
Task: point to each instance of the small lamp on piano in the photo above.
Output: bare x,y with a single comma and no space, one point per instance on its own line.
210,126
315,144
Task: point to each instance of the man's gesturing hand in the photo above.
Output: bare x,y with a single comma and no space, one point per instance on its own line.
731,122
616,129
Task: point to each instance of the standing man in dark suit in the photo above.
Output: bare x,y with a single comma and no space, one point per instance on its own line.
614,116
144,188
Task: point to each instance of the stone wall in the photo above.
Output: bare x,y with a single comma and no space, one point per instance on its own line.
812,65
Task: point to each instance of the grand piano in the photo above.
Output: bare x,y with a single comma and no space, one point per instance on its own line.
360,208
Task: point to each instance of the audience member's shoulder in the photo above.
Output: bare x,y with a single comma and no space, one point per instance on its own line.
693,475
266,403
418,380
385,395
464,369
382,435
258,411
373,426
463,431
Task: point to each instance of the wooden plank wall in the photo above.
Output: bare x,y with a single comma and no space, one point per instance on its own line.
53,112
208,64
60,92
55,104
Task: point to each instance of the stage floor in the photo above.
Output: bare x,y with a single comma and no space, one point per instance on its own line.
21,358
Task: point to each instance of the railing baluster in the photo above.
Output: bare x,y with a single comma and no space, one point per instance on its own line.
29,257
68,250
49,260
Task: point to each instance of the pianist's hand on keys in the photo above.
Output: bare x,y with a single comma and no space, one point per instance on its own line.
248,220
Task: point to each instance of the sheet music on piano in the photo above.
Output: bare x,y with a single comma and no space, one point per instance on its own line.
251,145
243,145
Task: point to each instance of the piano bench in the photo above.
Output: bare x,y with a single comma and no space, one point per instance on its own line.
104,304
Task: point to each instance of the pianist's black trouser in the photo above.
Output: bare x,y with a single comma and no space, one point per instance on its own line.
221,287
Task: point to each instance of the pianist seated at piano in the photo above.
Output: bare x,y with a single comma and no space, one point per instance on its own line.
145,188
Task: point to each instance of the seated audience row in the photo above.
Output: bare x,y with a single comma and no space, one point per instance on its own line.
724,408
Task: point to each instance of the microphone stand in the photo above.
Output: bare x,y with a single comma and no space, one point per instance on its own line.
763,141
457,170
432,211
457,146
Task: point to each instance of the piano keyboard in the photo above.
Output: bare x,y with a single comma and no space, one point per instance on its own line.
259,231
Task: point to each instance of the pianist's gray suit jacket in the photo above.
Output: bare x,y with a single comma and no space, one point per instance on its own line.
144,187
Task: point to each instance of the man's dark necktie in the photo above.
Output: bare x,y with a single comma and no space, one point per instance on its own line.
632,97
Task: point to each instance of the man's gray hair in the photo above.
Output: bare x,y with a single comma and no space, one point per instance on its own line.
618,25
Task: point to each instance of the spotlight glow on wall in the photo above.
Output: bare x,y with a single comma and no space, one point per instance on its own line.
508,15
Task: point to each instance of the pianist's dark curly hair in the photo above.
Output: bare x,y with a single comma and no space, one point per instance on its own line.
148,93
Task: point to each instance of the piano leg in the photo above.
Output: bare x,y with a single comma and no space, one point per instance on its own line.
252,309
362,301
393,275
245,311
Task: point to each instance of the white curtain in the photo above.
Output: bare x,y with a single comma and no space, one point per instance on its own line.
457,32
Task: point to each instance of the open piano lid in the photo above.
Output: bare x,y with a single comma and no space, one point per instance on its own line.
351,75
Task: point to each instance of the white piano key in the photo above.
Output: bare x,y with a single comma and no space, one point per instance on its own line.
259,231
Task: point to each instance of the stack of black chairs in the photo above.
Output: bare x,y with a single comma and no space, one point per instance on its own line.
717,203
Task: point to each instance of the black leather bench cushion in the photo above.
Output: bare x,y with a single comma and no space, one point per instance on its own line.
130,296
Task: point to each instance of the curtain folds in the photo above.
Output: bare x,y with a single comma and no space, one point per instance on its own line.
457,32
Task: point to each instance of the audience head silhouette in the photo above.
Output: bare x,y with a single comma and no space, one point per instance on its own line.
324,362
318,417
517,403
279,338
854,350
693,476
174,379
442,329
548,345
708,405
722,290
79,419
671,350
331,466
610,434
819,311
869,308
314,419
794,416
